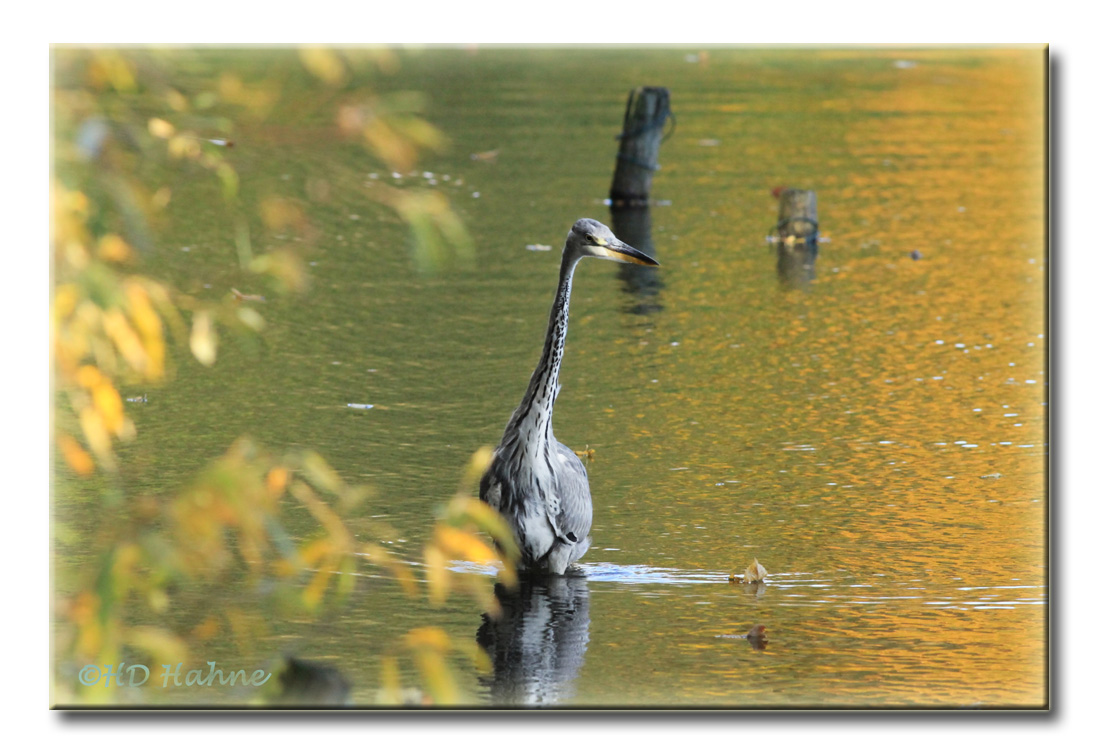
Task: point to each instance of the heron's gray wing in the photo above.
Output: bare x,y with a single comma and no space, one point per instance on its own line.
576,511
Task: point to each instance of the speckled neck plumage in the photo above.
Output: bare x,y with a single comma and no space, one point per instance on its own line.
531,422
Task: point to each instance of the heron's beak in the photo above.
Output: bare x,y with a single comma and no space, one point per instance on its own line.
622,252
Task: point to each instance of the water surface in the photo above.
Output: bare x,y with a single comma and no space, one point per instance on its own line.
875,435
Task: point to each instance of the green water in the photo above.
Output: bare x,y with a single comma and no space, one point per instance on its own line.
876,437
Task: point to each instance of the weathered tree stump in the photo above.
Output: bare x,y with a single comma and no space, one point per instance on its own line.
797,216
637,160
796,236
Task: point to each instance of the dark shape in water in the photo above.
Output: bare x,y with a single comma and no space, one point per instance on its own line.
308,684
538,644
757,637
797,263
643,283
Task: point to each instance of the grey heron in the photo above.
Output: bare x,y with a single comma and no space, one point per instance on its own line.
538,484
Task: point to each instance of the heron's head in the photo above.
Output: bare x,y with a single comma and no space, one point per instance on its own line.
589,238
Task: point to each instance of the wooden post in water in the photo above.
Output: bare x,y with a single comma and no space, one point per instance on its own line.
644,117
796,233
797,215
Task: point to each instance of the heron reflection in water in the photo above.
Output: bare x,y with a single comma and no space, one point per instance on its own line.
538,643
537,483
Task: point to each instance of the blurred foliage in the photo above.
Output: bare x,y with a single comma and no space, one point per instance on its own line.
111,324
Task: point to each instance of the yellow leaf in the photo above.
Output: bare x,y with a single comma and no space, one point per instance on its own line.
323,64
183,146
110,406
279,213
437,676
113,248
202,341
276,480
96,434
314,551
314,593
755,572
391,681
162,645
89,377
438,577
465,545
65,300
150,327
432,638
76,457
160,128
207,629
320,473
126,339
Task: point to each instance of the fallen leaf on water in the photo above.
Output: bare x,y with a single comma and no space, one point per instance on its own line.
755,572
486,157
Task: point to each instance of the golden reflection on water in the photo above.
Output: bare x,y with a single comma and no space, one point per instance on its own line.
884,426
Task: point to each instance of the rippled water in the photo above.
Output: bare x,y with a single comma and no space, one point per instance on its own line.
874,432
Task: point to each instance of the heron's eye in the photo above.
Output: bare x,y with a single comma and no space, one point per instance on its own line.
593,240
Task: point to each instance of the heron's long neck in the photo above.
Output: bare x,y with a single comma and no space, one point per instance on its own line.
532,419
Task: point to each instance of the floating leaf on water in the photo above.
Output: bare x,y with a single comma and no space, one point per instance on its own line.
485,157
360,406
755,572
